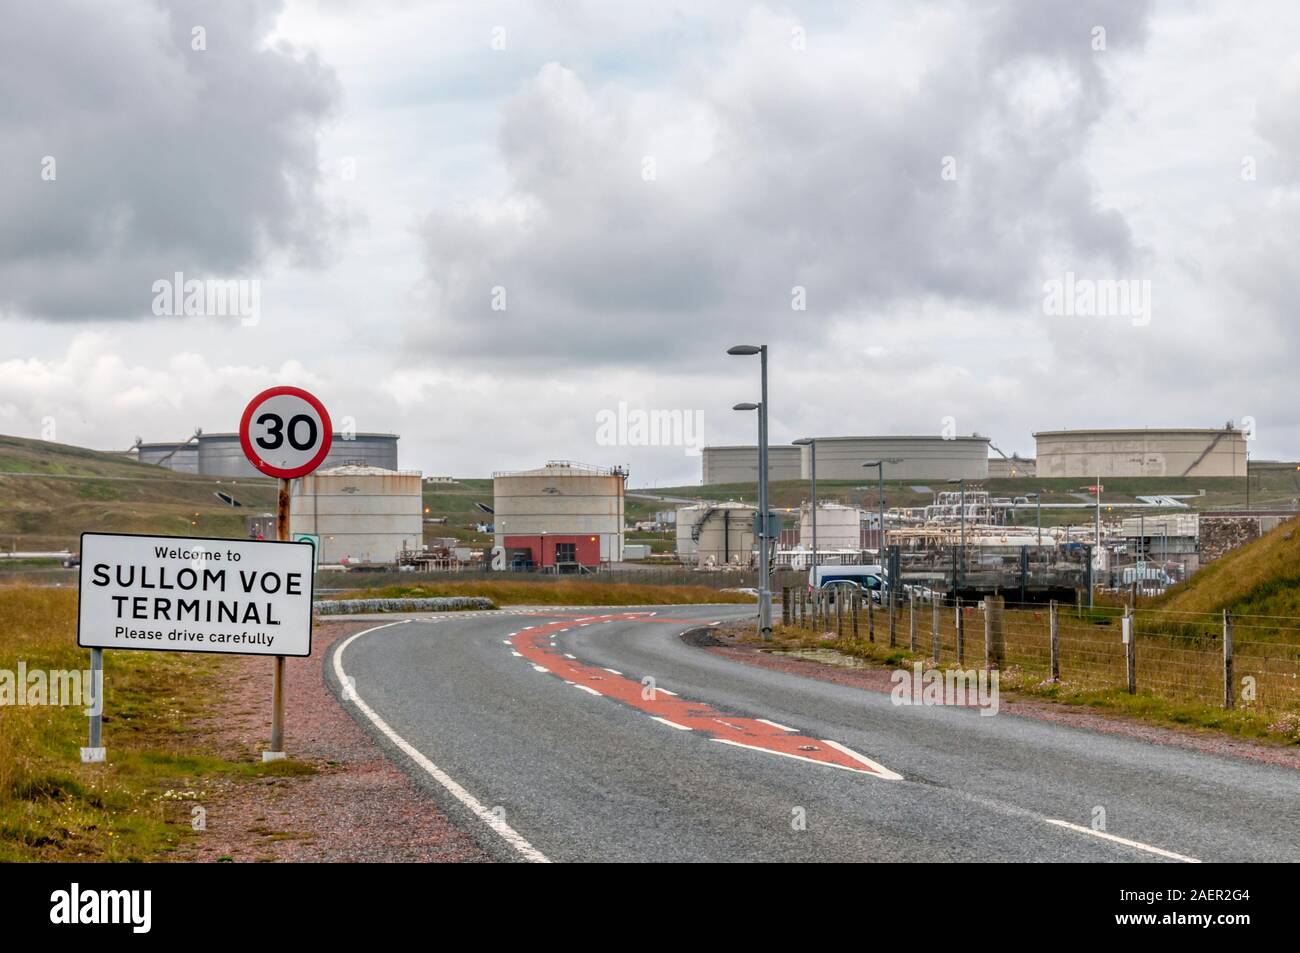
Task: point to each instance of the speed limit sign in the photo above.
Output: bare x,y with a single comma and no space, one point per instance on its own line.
285,432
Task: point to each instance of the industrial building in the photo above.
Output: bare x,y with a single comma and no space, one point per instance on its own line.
359,514
221,455
1203,452
740,464
716,534
920,458
839,527
581,505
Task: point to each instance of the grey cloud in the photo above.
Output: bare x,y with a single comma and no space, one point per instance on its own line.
168,159
814,178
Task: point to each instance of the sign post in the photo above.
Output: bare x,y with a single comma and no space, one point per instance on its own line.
286,433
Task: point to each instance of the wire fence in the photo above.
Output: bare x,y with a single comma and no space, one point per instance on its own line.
1243,662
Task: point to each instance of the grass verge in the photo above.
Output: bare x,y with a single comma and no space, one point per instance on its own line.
140,805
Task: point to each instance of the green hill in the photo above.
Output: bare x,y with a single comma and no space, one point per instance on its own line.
1261,578
50,493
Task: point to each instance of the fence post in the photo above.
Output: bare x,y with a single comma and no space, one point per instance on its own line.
839,613
871,618
936,624
911,620
786,608
961,632
893,616
856,605
1054,627
1130,649
1227,659
994,640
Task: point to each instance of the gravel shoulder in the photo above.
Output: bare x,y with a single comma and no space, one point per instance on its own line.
728,642
340,799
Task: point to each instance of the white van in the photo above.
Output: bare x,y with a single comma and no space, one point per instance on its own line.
870,578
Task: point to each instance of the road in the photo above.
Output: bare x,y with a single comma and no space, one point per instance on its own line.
538,731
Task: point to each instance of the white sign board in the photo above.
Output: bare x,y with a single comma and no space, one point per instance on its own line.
195,595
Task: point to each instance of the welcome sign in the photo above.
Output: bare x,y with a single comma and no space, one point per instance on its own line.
195,595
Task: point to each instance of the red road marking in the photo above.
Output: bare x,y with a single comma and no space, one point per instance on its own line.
534,645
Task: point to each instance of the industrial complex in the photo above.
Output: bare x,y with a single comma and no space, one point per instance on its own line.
220,454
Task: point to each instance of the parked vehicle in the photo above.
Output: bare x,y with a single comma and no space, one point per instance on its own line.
868,578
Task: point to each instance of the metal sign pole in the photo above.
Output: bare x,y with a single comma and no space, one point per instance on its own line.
277,690
95,751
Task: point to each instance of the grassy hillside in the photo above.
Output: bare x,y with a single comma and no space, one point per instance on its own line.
50,493
1261,578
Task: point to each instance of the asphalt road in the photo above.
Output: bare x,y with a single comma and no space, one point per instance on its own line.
563,752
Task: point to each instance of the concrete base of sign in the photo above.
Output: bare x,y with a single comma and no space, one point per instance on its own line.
273,756
93,755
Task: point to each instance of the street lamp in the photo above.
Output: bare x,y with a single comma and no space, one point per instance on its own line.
764,568
811,444
880,470
961,482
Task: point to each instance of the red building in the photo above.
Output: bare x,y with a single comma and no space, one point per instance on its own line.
549,550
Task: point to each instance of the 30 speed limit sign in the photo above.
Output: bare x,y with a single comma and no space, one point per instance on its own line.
285,432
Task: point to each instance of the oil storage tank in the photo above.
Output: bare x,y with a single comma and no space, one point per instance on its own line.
716,534
740,464
220,454
181,457
839,527
360,514
562,498
1177,452
918,457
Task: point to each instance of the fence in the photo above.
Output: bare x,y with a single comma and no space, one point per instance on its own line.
1246,662
334,581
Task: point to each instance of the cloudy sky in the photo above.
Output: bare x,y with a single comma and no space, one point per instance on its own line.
490,226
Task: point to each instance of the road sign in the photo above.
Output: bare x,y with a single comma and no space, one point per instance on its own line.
285,432
315,545
195,595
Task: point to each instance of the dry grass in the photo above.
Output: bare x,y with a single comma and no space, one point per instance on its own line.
52,807
559,592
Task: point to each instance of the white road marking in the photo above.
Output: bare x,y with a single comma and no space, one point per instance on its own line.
504,830
774,724
883,771
567,655
1137,845
671,724
614,670
541,668
516,654
665,691
586,689
797,757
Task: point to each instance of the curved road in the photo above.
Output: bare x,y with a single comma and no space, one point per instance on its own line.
570,735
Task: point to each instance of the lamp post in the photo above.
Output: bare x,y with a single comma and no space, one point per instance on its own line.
880,471
961,483
764,567
811,444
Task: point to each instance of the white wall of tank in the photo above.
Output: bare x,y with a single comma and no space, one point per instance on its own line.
725,534
361,514
562,499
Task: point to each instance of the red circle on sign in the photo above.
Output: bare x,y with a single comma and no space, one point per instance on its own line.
270,469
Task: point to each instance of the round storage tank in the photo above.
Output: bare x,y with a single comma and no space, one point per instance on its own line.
361,514
221,454
838,527
716,534
919,458
1136,453
181,457
740,464
562,498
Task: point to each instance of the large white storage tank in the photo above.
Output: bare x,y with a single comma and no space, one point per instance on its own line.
361,514
716,534
562,498
221,454
1148,452
838,527
181,457
919,458
740,464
